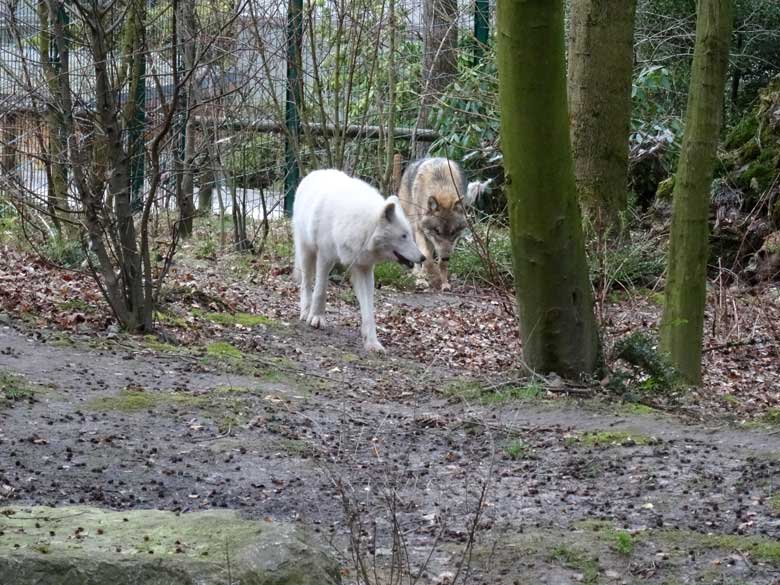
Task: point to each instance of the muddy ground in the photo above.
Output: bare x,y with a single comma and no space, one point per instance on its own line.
477,484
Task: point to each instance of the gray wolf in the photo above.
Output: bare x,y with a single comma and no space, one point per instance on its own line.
434,195
337,218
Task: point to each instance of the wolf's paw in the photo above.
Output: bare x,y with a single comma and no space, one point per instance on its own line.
304,316
421,283
373,346
317,321
446,287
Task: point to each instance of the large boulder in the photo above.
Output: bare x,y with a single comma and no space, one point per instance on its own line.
89,546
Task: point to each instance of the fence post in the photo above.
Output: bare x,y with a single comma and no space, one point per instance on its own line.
481,28
294,97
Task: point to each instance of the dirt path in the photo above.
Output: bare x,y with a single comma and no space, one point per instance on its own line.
299,425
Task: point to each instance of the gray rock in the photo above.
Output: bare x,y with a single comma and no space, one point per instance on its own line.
90,546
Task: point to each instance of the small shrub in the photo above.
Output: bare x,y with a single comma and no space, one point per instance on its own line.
517,450
64,252
394,275
655,372
489,265
624,544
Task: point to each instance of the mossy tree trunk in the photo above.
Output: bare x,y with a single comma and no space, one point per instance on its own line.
685,295
554,294
601,59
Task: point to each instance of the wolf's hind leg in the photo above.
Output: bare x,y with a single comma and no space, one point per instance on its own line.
306,262
363,283
317,310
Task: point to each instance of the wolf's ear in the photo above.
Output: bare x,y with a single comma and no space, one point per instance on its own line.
389,212
433,204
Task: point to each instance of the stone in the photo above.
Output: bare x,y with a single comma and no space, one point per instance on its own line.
91,546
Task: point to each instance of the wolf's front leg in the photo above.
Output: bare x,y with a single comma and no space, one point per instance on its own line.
317,311
420,270
363,283
306,263
444,275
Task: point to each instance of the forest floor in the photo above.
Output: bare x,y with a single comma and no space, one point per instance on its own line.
477,471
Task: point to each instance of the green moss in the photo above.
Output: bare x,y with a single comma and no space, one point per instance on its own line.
233,319
635,408
610,439
222,350
152,342
742,132
665,189
171,319
748,151
134,398
759,172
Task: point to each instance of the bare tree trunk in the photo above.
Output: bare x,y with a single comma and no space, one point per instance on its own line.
601,60
686,284
55,60
188,38
554,297
440,55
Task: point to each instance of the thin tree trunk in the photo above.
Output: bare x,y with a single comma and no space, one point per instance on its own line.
554,294
187,37
601,60
685,295
440,56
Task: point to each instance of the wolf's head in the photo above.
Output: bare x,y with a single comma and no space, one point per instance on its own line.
443,221
393,239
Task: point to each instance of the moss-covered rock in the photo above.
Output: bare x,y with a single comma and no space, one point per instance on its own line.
751,156
90,546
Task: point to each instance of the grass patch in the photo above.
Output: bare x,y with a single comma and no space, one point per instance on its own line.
14,389
227,406
475,391
517,450
772,417
624,544
603,439
578,560
221,350
393,275
758,548
79,305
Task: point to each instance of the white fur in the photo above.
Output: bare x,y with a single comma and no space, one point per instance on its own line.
340,219
475,190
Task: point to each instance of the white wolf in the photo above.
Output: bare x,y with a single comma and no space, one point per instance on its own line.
340,219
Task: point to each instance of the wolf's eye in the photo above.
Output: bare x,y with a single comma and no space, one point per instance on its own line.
403,237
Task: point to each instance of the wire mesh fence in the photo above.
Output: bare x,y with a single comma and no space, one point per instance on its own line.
212,107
